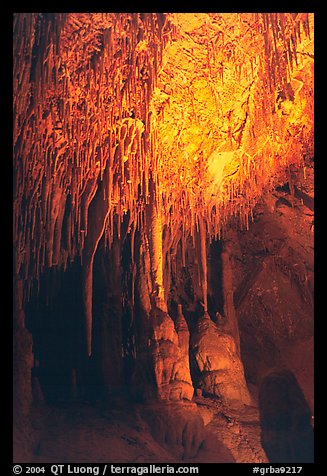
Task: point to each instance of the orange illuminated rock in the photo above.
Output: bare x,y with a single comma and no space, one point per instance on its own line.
215,107
159,126
221,370
169,351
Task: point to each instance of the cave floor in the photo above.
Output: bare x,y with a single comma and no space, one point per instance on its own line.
82,433
237,427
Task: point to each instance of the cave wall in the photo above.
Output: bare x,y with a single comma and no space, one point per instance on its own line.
274,284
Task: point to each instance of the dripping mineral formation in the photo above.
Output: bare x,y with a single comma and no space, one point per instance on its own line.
163,231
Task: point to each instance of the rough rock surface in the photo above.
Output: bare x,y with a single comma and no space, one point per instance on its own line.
220,368
177,425
180,428
237,427
153,433
169,350
274,276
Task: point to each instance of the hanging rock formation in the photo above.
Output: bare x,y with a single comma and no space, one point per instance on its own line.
142,136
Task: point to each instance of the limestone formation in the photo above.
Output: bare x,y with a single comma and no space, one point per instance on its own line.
171,360
220,368
178,425
139,140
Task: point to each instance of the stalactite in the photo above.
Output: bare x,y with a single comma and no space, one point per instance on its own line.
227,288
156,253
89,147
98,213
203,248
55,52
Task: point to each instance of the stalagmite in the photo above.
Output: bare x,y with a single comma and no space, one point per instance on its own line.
220,370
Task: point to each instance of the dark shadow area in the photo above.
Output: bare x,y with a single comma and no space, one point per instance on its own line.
54,317
285,419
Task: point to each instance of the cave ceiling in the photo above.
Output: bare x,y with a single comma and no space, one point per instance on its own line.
197,113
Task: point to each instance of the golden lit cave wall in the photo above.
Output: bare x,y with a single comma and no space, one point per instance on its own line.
197,113
233,112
